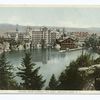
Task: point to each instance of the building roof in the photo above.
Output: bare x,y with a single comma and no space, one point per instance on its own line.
73,38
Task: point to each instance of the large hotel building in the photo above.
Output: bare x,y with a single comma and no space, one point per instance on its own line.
44,34
34,35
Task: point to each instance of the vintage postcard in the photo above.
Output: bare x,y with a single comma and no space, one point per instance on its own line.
49,49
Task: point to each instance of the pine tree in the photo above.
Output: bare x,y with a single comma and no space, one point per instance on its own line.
6,75
84,60
32,81
97,61
53,84
97,78
70,78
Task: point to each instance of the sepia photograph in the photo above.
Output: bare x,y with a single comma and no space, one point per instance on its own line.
49,48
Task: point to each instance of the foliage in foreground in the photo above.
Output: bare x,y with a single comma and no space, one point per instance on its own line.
7,81
84,60
31,79
53,84
71,78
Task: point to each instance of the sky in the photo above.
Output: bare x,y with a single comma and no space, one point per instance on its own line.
51,16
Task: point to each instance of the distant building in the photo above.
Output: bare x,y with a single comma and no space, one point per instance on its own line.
80,35
68,43
23,37
10,36
53,36
20,36
36,37
45,34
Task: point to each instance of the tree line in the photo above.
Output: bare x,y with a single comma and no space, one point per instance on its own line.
93,42
69,79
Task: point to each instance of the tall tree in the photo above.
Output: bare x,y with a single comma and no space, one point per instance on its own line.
97,61
6,75
84,60
70,79
53,84
92,42
31,79
97,78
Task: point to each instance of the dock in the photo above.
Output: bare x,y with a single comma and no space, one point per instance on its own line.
68,50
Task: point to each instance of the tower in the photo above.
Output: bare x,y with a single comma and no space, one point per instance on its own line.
17,28
16,38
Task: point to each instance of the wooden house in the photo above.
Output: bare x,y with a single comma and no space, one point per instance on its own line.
69,43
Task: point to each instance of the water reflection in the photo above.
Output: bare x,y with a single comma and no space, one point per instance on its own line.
45,55
50,60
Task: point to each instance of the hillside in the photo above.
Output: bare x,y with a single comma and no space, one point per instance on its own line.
12,28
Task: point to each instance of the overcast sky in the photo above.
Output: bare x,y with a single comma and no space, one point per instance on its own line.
51,16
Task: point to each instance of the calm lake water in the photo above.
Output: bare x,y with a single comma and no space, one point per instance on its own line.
50,61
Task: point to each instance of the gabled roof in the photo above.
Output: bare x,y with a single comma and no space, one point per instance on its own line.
65,38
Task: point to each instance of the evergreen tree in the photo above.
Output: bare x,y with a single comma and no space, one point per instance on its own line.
97,78
32,81
97,61
70,79
92,42
84,60
53,84
6,75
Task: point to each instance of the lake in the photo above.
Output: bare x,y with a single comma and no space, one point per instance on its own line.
50,61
